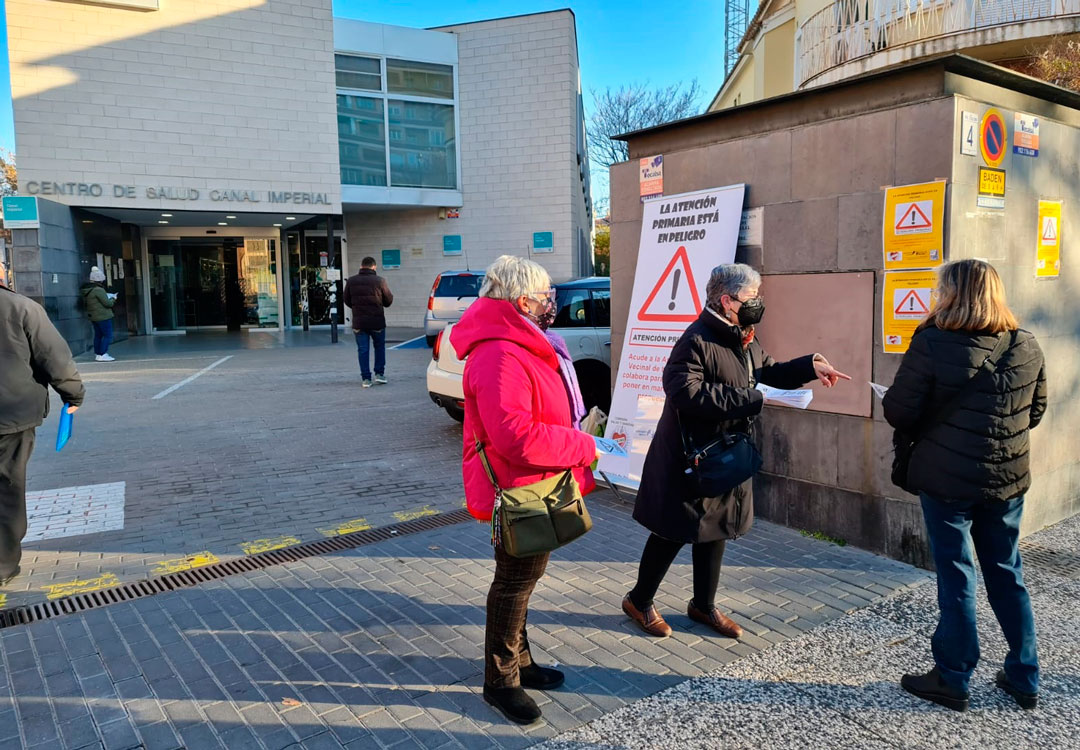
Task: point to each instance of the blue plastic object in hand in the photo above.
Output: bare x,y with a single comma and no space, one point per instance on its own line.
64,433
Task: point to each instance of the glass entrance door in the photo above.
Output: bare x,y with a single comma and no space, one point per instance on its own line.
314,274
212,282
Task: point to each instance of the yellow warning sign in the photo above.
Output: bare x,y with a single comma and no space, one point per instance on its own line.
1048,249
907,300
912,231
992,181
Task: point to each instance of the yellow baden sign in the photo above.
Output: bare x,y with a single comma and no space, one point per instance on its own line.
907,299
1048,248
913,226
991,181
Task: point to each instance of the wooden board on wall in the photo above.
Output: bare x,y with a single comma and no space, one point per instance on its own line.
829,313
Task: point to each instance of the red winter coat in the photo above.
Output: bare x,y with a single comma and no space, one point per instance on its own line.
516,404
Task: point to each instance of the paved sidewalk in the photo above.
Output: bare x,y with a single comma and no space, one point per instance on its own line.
837,686
381,646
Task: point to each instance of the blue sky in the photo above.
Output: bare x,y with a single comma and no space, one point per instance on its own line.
620,41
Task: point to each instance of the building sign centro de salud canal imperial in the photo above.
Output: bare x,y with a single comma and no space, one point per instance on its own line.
99,190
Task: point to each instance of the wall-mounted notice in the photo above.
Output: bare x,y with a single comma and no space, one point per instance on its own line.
907,299
451,244
1048,253
651,176
1025,134
913,226
543,242
969,134
391,258
683,237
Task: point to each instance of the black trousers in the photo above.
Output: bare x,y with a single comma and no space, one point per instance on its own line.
657,557
506,646
15,452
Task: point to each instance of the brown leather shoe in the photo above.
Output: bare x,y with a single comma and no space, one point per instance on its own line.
716,620
650,620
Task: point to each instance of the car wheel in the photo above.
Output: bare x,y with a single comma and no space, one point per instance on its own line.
431,341
455,413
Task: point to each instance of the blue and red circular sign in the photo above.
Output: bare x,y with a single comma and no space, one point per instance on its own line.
993,138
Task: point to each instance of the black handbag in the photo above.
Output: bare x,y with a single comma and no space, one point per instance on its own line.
721,465
904,443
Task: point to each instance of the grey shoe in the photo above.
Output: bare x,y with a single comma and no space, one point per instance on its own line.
366,383
380,380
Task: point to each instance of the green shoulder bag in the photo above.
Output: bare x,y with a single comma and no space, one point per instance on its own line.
539,517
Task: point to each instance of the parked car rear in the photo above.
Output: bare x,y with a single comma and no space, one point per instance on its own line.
583,319
451,295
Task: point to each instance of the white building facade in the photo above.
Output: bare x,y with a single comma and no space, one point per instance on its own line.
229,162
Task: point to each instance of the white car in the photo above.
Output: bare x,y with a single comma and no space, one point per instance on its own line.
583,319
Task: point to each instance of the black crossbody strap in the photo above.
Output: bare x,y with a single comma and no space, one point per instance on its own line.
487,465
946,410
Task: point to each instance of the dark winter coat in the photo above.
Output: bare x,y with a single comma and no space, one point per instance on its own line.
709,381
98,303
367,295
33,356
980,452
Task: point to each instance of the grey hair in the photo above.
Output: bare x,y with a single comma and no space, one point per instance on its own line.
510,277
730,279
96,274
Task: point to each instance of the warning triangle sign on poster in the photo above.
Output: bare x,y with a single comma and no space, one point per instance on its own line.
912,303
913,219
675,296
1049,233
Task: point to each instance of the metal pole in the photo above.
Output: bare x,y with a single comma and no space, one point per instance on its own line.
333,263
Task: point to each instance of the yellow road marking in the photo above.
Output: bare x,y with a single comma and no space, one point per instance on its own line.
412,515
357,524
198,560
3,600
60,590
265,545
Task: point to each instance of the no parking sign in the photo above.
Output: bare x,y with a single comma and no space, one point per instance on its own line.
993,137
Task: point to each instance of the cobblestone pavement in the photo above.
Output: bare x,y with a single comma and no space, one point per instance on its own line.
837,686
381,646
278,444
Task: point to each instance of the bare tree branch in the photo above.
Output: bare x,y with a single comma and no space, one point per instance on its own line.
1058,63
634,107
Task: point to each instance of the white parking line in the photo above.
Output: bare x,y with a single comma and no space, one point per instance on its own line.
187,380
405,344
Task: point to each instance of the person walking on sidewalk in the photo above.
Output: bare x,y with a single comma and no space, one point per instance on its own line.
519,405
33,356
368,295
710,381
970,362
99,308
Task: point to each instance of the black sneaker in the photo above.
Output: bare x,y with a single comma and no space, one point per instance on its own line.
541,678
930,687
513,703
9,578
1026,701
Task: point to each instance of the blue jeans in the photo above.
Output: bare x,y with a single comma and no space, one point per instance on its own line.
102,335
378,338
993,528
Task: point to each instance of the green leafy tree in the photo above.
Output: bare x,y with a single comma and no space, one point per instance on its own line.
602,252
1058,62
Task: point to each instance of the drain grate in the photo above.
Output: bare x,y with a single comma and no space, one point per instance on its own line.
126,592
1056,561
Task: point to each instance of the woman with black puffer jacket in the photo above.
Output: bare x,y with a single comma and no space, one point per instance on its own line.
969,389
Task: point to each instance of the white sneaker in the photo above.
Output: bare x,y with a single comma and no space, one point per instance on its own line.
97,358
106,358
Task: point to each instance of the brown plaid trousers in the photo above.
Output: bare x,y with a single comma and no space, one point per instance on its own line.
506,646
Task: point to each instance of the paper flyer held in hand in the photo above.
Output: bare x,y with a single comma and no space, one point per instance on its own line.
799,399
609,447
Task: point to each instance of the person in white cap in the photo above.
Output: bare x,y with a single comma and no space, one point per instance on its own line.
99,304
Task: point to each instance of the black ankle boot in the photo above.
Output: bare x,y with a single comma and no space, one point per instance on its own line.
513,703
1026,701
930,687
541,678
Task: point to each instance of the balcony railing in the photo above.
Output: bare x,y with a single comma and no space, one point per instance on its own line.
847,30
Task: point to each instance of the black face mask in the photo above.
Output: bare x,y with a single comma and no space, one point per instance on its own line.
545,318
751,312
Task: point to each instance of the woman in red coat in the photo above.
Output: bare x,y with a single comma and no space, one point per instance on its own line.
522,404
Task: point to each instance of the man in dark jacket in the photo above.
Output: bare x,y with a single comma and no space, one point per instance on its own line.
368,295
33,356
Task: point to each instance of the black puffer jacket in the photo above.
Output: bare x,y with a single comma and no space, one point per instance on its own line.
709,380
367,294
980,452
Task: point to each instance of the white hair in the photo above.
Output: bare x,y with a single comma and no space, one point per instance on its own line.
510,277
730,279
96,274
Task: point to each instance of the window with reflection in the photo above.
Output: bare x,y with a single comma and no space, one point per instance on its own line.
353,72
420,79
423,147
361,140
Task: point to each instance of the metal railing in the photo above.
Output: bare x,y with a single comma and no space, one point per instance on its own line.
847,30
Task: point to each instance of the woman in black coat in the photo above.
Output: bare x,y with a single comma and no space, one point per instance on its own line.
710,383
970,468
